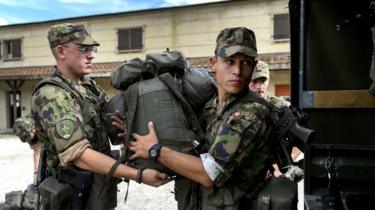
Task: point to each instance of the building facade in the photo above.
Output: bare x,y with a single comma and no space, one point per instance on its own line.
25,56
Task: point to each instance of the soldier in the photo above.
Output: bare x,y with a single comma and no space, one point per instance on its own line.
24,128
259,84
238,154
66,109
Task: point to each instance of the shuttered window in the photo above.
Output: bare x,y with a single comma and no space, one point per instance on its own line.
281,27
130,39
12,49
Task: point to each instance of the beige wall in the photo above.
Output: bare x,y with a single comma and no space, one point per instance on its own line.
192,30
278,77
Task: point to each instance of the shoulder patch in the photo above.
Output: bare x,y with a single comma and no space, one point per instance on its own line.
65,128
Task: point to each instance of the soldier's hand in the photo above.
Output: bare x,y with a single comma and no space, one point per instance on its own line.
142,144
118,120
154,178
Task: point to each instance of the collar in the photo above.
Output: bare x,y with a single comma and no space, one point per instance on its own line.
221,108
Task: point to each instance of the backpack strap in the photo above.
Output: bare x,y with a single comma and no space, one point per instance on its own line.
194,122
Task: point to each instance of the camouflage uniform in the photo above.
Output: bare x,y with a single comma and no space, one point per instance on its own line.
236,133
262,70
66,118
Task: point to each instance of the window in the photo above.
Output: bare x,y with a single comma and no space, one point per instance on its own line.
12,49
130,39
281,27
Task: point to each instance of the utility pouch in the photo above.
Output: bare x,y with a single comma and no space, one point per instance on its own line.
279,193
54,194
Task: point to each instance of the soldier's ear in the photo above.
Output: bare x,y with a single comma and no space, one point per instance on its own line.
213,63
60,52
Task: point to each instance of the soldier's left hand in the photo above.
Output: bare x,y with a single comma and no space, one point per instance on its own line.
118,120
154,178
141,144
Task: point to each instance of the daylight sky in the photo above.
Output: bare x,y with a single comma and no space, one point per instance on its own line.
26,11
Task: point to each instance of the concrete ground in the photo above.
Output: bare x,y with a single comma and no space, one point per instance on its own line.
16,171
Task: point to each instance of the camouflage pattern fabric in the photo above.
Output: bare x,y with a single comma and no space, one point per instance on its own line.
22,128
66,32
59,115
236,40
237,136
62,122
279,102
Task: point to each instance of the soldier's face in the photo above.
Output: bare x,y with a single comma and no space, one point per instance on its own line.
79,58
232,73
259,86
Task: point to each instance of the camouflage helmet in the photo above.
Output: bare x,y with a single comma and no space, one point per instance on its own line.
22,127
236,40
66,32
261,70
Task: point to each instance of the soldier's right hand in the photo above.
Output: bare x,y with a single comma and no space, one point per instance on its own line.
154,178
32,133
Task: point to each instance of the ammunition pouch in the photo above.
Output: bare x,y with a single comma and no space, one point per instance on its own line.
54,194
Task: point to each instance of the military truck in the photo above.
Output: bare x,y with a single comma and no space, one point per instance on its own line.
332,51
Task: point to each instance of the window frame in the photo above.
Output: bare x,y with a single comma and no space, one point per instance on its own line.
130,41
274,21
5,53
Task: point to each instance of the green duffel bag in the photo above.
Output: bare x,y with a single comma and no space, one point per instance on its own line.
168,61
128,73
151,100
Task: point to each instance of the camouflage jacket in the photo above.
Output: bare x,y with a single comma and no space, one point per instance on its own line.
61,120
237,135
64,118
